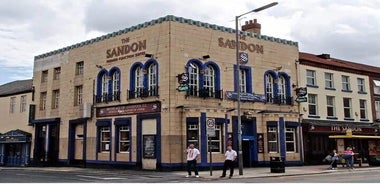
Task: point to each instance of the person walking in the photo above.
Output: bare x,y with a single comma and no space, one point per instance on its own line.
334,158
192,155
348,155
229,161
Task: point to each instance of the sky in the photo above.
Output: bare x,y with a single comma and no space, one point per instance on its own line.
345,29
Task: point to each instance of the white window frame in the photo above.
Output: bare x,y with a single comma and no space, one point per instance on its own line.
218,139
23,103
313,101
348,108
152,79
361,85
104,87
209,80
293,131
124,129
194,128
269,88
194,79
282,89
104,139
310,77
273,130
330,104
363,109
115,84
377,109
346,83
44,76
243,81
329,80
139,78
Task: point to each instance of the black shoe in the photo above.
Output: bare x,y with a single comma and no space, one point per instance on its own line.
222,176
230,177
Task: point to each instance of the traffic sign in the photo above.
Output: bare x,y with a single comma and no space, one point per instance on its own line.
210,123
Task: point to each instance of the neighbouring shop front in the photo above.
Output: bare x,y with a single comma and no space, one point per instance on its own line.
317,143
15,148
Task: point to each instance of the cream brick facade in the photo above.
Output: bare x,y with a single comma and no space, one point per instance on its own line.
175,43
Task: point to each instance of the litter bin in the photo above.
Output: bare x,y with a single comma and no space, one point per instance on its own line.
277,165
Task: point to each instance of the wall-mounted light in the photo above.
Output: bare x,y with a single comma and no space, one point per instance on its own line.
304,109
356,114
312,127
149,55
278,68
99,66
206,56
294,85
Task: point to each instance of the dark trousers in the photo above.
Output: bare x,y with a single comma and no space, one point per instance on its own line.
192,165
334,163
228,164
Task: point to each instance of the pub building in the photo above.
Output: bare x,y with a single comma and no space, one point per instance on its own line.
136,98
338,99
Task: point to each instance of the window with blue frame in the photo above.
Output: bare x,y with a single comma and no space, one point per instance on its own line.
245,75
277,88
144,79
204,79
108,85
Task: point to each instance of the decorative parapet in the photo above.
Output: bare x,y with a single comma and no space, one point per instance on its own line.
159,21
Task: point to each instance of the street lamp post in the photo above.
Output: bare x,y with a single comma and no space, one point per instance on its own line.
240,152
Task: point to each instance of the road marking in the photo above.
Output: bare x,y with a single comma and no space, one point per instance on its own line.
100,178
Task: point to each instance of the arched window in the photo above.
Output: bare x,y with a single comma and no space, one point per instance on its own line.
116,86
282,89
269,93
139,78
193,79
152,80
209,80
104,87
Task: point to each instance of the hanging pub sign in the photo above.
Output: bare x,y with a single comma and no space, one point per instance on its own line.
183,80
301,91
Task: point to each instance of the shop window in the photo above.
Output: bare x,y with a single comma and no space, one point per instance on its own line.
124,139
290,139
272,139
105,139
192,133
216,141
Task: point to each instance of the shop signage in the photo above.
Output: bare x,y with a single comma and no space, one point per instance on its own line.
301,99
231,95
183,81
127,50
152,107
341,129
301,91
243,46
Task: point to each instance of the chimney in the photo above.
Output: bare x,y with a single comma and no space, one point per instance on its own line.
252,27
324,56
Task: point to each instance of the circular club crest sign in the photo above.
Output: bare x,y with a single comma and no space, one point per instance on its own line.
243,57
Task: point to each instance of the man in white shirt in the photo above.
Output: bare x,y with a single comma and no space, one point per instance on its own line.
192,155
229,162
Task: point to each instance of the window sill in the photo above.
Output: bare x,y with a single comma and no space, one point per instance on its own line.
332,89
362,92
312,86
364,120
346,91
314,116
349,119
331,117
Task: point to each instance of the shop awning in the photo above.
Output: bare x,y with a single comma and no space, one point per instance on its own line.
354,137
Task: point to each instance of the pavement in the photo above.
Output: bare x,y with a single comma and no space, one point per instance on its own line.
253,172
